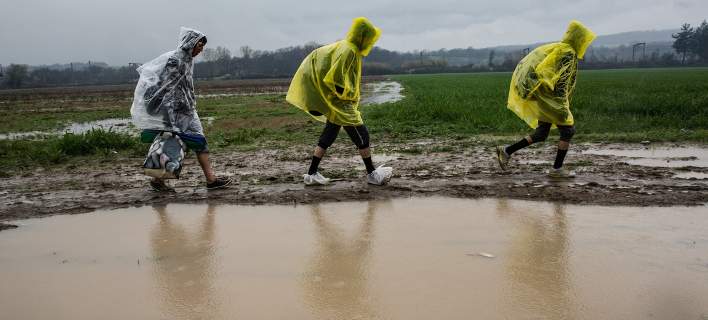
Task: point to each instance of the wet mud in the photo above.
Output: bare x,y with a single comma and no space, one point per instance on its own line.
463,169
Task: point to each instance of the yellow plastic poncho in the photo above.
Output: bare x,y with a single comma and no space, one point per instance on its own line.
326,85
544,80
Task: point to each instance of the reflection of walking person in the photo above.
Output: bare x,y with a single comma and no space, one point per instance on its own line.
327,86
184,266
538,265
164,101
540,92
336,281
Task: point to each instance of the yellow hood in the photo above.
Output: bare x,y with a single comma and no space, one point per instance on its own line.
363,34
579,37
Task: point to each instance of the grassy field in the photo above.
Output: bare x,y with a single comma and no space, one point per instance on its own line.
616,105
609,105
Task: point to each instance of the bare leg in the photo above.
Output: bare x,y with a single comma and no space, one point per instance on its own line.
319,152
563,145
365,153
203,158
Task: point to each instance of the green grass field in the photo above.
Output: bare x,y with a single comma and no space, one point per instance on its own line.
615,105
608,105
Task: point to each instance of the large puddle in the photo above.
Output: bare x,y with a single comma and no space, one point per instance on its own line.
434,258
115,125
121,125
381,92
659,156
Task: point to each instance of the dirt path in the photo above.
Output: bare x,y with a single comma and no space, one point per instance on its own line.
457,169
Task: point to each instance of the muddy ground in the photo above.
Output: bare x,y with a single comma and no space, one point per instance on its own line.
274,176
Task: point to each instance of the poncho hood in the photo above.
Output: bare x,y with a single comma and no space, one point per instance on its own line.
579,37
188,38
363,34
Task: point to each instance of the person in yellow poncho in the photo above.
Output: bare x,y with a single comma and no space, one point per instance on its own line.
327,87
540,92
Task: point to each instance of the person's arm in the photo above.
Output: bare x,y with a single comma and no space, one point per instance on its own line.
343,77
169,78
566,79
556,74
550,70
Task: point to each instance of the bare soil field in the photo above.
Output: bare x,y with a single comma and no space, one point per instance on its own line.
446,168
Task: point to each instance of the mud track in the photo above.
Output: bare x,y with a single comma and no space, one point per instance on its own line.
268,176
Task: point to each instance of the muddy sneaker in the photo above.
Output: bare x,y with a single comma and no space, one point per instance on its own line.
219,183
160,186
315,179
561,173
503,158
380,176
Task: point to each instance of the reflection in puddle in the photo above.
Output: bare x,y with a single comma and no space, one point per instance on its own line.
394,259
659,157
538,263
381,92
336,281
184,266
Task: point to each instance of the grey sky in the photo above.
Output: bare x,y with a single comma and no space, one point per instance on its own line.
122,31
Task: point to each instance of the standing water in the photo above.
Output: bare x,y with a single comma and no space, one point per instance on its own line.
431,258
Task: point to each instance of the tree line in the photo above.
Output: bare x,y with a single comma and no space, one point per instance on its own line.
692,43
690,47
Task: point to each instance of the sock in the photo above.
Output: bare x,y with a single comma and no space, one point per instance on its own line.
523,143
313,165
560,156
369,165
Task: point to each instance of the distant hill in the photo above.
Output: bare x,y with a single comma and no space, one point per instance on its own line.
613,47
611,40
628,38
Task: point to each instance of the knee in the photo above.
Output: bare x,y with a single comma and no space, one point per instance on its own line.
326,141
363,144
359,135
566,133
541,134
328,136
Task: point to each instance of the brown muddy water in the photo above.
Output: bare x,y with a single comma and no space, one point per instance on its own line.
420,258
675,157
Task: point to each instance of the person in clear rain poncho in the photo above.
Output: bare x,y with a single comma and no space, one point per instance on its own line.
164,101
540,92
327,87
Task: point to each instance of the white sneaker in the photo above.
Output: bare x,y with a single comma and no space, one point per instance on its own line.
380,176
315,179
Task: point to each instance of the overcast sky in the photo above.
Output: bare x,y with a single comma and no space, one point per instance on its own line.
122,31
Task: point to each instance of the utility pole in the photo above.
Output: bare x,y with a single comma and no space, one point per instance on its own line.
644,50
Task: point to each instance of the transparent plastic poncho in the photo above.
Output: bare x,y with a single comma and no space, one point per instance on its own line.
164,96
544,80
327,83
